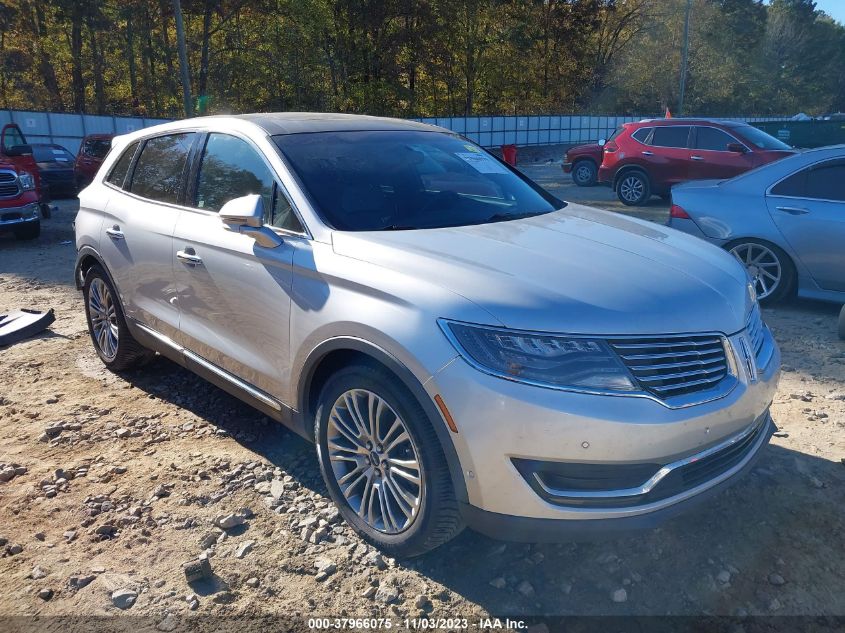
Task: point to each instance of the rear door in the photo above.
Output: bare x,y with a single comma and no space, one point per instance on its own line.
667,157
711,158
137,238
809,209
234,295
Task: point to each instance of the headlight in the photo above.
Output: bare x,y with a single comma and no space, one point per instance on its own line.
544,359
27,181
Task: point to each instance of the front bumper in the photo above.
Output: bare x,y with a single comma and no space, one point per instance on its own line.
16,217
502,425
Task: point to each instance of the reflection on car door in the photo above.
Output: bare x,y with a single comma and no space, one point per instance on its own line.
234,296
809,209
710,157
668,155
137,233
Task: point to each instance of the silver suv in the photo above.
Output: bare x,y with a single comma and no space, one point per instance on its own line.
462,347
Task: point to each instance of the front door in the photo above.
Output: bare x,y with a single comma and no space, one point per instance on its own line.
711,158
234,295
137,234
809,209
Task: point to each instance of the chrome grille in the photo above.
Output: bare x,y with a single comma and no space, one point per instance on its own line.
755,331
8,184
674,366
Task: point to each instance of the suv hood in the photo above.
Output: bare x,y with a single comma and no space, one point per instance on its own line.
578,270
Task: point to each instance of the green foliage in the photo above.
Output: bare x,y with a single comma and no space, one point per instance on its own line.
420,57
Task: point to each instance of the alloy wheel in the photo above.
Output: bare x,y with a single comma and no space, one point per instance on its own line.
102,311
631,188
375,461
583,173
763,267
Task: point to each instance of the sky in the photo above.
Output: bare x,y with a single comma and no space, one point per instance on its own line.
834,8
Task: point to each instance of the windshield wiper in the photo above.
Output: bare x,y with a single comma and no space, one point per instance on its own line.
504,217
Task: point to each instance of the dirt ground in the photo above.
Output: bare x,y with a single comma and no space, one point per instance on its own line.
111,482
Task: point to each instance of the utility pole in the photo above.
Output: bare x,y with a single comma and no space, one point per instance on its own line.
684,57
183,59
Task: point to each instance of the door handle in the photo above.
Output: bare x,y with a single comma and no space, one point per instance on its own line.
189,257
794,210
647,153
696,158
115,233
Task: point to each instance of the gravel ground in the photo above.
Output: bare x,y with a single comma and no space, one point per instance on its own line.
109,483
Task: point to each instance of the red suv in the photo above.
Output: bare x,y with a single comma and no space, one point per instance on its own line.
646,158
92,151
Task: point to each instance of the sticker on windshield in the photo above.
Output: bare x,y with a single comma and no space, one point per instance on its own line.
482,163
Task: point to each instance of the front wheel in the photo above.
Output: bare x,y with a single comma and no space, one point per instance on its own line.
769,267
633,188
585,173
383,464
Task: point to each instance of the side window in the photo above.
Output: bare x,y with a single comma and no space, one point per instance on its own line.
158,172
671,136
642,134
827,181
12,138
709,138
282,215
793,186
118,173
231,168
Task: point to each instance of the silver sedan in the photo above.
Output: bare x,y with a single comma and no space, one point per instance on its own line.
785,222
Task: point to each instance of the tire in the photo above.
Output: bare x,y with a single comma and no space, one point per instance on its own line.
584,173
772,261
633,188
29,231
429,515
116,348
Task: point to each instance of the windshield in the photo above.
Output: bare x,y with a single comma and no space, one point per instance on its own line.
50,154
383,180
97,148
761,139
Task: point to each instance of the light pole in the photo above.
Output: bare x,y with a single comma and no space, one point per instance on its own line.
684,57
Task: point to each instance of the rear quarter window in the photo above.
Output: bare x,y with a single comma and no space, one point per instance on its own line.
117,175
159,171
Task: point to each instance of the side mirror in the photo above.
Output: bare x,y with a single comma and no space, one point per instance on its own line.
602,142
244,211
246,215
739,148
19,150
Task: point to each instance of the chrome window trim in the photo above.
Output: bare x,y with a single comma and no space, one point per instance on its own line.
724,151
664,471
720,390
769,193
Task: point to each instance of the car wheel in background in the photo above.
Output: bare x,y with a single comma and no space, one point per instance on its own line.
28,231
633,188
383,464
107,326
585,173
769,267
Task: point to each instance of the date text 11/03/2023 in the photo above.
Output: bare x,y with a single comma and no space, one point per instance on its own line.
479,624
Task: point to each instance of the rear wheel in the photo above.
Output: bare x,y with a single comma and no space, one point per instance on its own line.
633,188
383,464
584,173
111,337
769,267
28,231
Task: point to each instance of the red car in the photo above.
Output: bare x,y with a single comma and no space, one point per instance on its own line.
92,151
583,161
648,157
